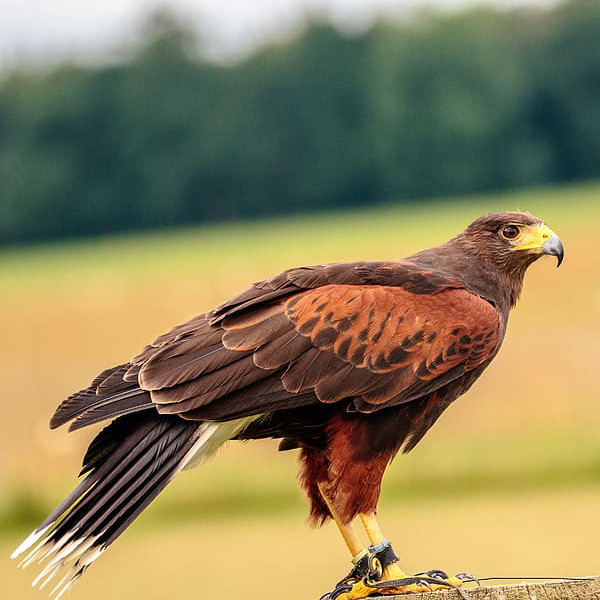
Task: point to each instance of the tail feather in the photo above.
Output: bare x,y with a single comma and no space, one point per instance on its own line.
114,492
127,465
139,501
107,441
121,471
131,492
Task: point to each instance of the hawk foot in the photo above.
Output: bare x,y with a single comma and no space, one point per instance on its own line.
367,568
427,581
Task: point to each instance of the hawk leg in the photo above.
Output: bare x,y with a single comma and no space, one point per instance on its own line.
376,570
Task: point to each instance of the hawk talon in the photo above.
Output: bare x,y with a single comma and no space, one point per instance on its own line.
368,568
426,584
365,588
436,574
445,580
468,577
337,591
426,581
406,581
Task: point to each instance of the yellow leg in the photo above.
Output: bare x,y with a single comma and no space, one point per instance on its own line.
360,589
375,536
393,571
347,530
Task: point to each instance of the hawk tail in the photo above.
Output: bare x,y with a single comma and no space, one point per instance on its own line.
127,465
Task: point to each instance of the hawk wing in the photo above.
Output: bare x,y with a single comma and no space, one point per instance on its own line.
372,335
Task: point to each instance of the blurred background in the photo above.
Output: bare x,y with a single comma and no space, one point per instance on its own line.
156,159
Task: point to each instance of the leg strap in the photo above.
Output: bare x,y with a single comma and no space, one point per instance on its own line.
384,553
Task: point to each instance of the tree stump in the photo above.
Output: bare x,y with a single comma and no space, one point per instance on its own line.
587,589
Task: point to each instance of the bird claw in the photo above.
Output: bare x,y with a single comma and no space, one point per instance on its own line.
458,578
368,587
365,580
368,568
435,573
337,591
468,577
406,583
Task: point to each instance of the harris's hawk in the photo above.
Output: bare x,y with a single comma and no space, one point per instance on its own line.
349,363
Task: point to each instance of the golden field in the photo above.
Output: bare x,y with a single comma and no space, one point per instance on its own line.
508,482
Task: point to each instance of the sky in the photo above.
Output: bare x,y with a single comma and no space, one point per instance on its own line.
40,31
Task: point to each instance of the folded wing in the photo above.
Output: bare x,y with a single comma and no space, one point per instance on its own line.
371,335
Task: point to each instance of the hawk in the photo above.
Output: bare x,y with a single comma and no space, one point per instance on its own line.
348,363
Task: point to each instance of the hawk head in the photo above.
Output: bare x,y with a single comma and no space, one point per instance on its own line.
512,240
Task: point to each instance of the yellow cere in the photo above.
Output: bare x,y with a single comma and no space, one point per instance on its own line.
533,236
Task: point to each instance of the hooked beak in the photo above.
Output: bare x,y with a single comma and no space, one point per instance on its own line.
540,239
554,247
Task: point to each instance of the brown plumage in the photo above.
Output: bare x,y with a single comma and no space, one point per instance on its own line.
348,362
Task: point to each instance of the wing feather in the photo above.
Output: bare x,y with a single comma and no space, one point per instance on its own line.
166,369
371,335
396,345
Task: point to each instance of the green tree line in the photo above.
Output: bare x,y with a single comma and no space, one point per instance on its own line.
436,105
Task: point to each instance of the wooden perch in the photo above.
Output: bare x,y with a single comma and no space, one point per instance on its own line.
551,590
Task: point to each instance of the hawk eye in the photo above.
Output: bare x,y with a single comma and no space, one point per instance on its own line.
510,232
